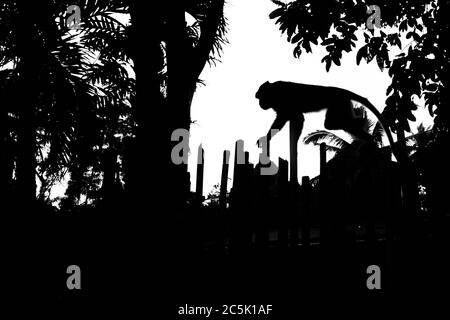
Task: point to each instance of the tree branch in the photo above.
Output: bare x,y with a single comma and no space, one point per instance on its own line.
209,35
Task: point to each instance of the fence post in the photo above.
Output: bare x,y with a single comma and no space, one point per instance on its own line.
262,208
305,210
195,212
323,195
224,180
222,201
283,200
200,171
242,201
294,134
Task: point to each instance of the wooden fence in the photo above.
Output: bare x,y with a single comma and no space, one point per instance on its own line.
355,198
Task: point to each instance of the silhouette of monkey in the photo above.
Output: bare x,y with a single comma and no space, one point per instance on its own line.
291,100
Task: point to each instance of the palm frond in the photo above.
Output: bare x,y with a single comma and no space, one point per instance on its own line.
332,149
378,133
213,27
329,138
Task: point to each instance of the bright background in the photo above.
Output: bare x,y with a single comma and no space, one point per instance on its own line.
225,109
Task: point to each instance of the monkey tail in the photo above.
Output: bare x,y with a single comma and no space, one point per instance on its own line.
380,118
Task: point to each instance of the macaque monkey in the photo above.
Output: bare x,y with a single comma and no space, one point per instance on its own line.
291,100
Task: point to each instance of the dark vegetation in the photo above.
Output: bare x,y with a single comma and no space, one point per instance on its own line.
94,108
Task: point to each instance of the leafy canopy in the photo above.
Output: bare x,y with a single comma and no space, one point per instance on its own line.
412,43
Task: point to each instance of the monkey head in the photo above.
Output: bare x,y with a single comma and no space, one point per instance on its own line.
263,95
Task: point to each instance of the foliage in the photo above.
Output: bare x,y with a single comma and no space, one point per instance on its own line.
212,200
421,68
335,144
80,103
84,89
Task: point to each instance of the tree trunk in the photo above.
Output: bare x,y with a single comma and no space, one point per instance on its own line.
180,91
26,160
6,163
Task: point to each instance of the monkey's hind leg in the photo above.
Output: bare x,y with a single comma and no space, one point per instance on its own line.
296,127
339,115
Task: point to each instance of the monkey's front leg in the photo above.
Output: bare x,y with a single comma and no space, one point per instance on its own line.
277,125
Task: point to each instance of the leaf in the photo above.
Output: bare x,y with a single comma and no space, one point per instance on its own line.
361,53
380,62
410,116
416,37
328,64
327,42
307,46
412,22
403,25
398,42
297,51
389,90
276,13
336,61
296,38
331,139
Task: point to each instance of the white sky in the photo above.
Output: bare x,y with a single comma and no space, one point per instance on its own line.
225,109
